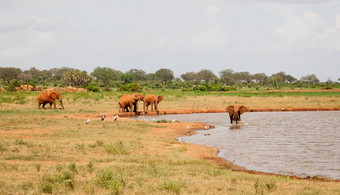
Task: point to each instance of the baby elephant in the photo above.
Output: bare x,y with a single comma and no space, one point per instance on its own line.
235,112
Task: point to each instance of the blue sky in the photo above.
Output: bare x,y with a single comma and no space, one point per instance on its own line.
297,37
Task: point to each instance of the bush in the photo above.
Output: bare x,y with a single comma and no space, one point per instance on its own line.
106,178
132,87
55,182
203,88
92,88
107,88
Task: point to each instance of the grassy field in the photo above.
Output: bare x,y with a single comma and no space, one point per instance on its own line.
54,151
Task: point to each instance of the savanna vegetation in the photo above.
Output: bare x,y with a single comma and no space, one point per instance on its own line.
106,79
54,151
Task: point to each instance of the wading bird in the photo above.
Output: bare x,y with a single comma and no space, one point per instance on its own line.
116,117
88,120
103,116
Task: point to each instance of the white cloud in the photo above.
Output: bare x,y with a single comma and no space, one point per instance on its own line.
211,33
20,37
308,31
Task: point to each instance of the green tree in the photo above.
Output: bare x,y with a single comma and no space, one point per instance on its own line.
77,78
151,77
104,75
189,76
140,75
310,78
9,73
206,75
290,79
244,77
226,76
259,77
126,77
164,75
58,73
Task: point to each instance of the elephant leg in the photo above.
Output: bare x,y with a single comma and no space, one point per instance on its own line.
54,104
131,107
135,107
43,105
151,104
231,119
156,107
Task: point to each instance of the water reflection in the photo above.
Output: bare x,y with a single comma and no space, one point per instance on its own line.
299,143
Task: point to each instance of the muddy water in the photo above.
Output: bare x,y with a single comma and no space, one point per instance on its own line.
289,143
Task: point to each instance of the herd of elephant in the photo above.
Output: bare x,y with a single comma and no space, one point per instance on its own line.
126,103
129,103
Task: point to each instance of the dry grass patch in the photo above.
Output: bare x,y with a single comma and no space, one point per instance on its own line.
120,157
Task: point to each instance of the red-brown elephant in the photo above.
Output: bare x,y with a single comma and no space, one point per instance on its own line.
130,101
235,112
152,100
49,98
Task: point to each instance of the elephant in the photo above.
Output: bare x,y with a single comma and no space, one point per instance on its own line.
235,112
49,98
152,100
130,101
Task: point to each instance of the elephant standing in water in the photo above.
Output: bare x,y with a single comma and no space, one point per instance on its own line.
49,98
130,101
152,100
235,112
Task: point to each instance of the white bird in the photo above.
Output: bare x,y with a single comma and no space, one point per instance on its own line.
188,126
88,120
206,127
115,118
103,116
283,109
174,120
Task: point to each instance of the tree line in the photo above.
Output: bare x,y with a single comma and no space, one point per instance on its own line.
105,78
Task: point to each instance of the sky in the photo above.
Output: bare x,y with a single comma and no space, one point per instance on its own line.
298,37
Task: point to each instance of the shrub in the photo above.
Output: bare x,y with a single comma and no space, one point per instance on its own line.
203,88
106,88
59,181
105,178
92,88
132,87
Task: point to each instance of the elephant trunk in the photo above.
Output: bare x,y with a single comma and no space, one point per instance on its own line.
61,103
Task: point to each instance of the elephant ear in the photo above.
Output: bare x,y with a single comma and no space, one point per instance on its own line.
230,109
58,96
242,109
134,99
53,95
160,98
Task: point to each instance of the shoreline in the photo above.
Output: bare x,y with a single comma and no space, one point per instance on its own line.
219,110
177,130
